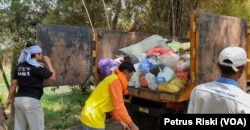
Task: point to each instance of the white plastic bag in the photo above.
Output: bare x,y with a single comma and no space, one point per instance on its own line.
165,75
144,45
151,81
170,60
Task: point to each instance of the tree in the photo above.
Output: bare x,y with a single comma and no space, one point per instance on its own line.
18,25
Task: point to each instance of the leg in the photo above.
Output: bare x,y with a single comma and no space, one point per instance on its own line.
34,114
84,127
20,122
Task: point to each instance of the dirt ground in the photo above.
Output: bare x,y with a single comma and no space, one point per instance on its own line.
142,120
110,125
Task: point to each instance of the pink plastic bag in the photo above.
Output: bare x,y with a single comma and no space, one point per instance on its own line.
143,82
159,51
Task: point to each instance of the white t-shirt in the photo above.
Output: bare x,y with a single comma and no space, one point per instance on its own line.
218,98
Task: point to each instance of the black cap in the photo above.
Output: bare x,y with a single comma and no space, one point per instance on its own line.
126,66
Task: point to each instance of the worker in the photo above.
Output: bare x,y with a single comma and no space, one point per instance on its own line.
224,95
108,98
29,74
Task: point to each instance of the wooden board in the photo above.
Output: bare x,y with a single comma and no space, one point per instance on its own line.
154,95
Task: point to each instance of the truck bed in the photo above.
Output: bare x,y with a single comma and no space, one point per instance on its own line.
158,96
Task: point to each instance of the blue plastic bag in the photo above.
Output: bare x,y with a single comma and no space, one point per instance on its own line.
145,65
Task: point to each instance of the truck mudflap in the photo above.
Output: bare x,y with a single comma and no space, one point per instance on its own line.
70,49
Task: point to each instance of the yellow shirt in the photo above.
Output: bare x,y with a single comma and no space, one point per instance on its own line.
107,97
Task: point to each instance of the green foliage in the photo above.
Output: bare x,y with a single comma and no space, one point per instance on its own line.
164,17
62,107
18,25
18,20
74,13
235,8
3,88
152,17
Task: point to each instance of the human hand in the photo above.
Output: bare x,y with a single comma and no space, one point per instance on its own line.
47,62
124,125
133,126
8,102
46,59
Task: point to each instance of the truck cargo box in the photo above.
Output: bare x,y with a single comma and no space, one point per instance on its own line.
75,51
209,33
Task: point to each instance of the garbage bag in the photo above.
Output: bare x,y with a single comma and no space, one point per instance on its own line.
144,66
106,66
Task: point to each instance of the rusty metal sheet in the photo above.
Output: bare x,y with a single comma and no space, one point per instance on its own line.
215,33
70,50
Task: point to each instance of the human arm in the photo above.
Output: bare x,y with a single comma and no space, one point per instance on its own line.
133,126
47,61
120,112
12,92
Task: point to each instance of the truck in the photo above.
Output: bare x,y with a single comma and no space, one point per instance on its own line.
75,52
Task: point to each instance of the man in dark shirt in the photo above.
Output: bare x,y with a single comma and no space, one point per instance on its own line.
29,74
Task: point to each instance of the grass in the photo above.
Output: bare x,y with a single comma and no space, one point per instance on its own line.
3,88
62,105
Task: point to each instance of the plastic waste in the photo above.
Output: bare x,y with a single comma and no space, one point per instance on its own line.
165,75
150,78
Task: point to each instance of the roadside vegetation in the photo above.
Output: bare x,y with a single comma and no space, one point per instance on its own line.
3,88
164,17
62,105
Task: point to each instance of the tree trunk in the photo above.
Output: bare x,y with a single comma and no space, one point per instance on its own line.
3,117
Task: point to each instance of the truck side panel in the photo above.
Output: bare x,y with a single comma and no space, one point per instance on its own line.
248,55
110,41
215,33
70,50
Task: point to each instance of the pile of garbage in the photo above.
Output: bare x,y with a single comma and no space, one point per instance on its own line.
161,64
